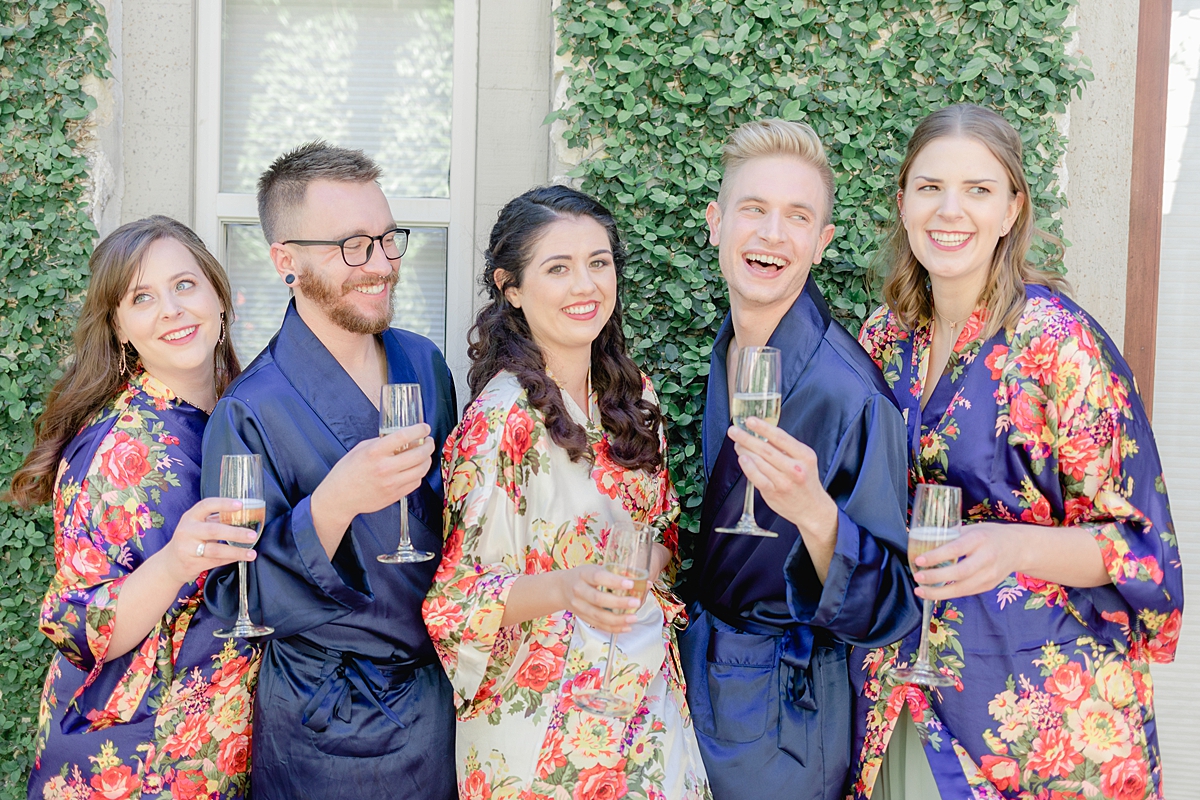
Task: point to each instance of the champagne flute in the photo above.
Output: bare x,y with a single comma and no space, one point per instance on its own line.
242,479
627,554
399,407
755,394
936,520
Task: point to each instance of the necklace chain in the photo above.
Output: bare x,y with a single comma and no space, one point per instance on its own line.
951,322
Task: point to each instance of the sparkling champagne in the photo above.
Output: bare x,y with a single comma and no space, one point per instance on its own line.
922,540
252,515
764,405
640,578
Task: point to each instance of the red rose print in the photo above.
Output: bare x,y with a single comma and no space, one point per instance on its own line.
227,676
1004,773
451,555
124,461
475,787
1076,453
1052,754
552,758
1151,565
518,435
82,558
1068,686
190,785
472,434
117,525
114,783
234,755
1026,415
537,562
999,351
1039,512
600,783
189,737
540,667
442,616
1124,778
1039,360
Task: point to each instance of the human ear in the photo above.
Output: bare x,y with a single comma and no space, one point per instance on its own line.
1014,210
285,264
826,237
712,215
512,294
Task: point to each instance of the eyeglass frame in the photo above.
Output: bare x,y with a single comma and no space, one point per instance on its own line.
341,245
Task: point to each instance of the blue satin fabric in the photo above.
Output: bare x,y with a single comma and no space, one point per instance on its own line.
765,657
302,412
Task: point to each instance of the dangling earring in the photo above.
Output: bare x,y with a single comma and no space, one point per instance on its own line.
221,339
124,366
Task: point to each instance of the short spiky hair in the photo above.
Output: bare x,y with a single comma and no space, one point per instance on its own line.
777,137
281,188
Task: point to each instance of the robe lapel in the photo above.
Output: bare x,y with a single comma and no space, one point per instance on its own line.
327,388
797,336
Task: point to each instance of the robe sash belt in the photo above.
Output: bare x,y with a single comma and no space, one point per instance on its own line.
342,671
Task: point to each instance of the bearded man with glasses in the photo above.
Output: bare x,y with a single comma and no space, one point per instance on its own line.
351,700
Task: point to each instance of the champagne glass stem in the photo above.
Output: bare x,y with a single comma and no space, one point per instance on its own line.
612,648
926,619
405,542
748,506
243,601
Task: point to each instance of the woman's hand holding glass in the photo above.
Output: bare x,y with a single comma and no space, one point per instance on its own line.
597,596
199,541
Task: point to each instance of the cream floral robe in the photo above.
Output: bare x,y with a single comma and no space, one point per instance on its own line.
517,505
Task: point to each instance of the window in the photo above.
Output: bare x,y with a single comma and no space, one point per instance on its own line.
394,78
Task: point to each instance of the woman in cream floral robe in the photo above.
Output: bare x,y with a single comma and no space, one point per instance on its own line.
517,505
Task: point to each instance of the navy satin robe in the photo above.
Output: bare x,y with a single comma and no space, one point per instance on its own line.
352,701
765,655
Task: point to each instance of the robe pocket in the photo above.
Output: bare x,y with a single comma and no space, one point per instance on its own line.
742,682
369,733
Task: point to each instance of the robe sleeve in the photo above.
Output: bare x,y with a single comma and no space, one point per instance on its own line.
484,536
293,585
100,520
1112,485
867,598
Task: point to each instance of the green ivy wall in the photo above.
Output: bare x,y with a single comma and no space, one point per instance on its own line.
47,51
654,88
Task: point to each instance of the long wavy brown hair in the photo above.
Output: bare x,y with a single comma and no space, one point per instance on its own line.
906,289
500,338
94,374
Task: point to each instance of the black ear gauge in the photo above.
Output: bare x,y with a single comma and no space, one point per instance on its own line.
290,279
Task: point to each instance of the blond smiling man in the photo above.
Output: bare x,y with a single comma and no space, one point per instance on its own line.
773,617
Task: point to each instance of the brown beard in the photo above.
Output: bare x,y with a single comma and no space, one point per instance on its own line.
329,299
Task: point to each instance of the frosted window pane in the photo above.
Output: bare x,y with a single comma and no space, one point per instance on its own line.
373,75
260,297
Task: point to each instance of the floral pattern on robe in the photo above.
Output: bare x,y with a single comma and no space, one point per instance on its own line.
517,505
171,718
1053,697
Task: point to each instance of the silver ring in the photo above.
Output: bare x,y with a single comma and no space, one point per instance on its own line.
200,550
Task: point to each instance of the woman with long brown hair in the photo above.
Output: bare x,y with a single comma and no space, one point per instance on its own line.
562,443
1065,583
141,698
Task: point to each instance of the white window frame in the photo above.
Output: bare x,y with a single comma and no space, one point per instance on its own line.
214,208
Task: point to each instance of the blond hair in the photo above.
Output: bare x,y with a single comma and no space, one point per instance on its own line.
777,137
906,290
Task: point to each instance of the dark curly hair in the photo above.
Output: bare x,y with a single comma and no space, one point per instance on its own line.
500,338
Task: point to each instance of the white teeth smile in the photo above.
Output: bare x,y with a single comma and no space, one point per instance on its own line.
949,239
171,337
583,308
374,288
773,261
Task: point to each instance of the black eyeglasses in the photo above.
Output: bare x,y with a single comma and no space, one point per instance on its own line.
357,249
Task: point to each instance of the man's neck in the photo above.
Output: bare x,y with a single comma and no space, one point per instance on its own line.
359,354
753,323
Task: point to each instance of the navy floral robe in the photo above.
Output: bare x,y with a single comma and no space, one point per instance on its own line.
170,718
1053,697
